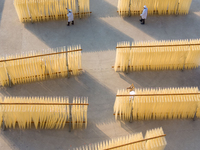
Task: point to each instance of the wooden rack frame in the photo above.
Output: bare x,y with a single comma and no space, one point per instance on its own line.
162,94
147,46
70,104
53,16
44,104
57,53
145,65
42,55
136,142
138,11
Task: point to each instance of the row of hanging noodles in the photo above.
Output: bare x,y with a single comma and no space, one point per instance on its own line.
34,66
166,7
44,10
44,115
165,106
157,55
153,144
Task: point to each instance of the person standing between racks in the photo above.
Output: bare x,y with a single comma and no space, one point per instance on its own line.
144,15
131,90
70,17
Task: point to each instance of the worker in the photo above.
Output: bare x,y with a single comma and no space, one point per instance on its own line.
131,90
144,15
70,17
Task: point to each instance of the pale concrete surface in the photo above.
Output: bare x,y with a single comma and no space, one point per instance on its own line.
98,36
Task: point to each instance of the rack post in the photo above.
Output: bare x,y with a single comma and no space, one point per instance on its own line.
131,116
78,10
29,13
177,9
185,60
3,125
67,65
8,75
195,115
9,81
70,118
127,70
129,12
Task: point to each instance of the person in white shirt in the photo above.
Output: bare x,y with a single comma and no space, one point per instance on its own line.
132,93
131,90
70,17
144,15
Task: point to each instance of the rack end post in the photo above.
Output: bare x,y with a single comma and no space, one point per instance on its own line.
10,83
131,116
67,65
129,11
195,115
3,126
70,118
177,9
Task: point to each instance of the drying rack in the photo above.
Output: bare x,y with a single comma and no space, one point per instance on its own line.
149,46
144,140
70,105
41,55
163,94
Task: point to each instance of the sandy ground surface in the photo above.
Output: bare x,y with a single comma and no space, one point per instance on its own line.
98,36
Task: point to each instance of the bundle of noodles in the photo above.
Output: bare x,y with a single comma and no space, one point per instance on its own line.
84,7
122,57
165,106
123,105
79,112
123,7
157,143
44,116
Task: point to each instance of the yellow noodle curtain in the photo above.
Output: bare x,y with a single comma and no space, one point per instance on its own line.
156,56
41,10
154,6
156,143
157,107
39,68
43,116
